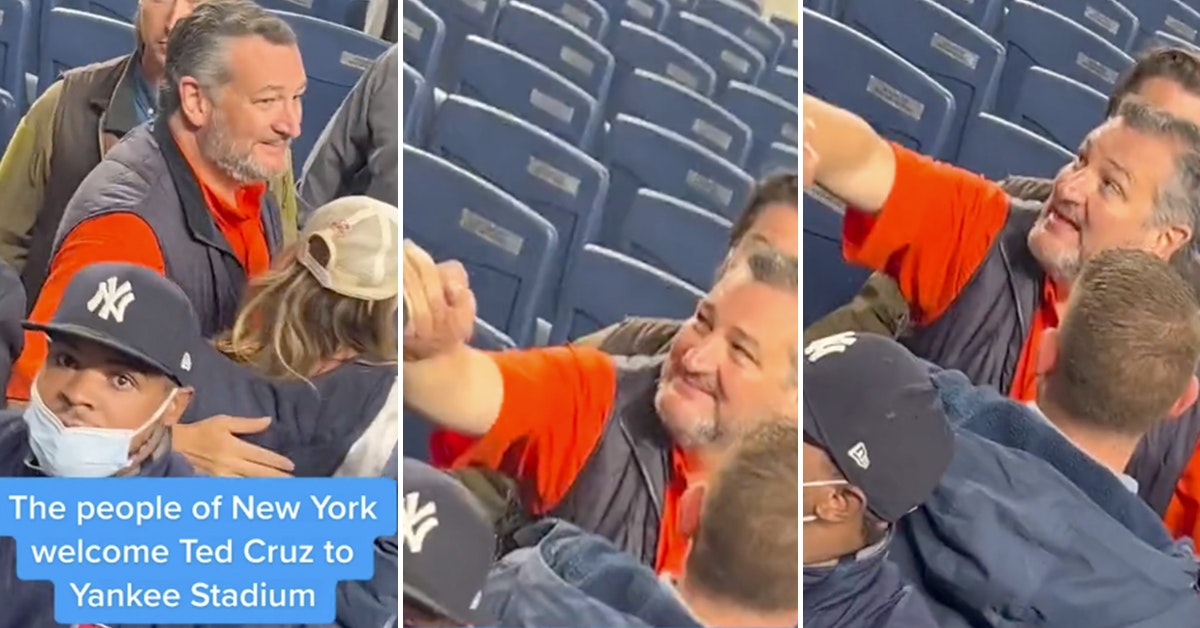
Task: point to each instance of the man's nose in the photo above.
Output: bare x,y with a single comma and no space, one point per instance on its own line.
287,124
703,357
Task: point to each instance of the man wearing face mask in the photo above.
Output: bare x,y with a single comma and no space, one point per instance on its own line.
868,461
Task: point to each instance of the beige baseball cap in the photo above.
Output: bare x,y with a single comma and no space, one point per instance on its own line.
361,247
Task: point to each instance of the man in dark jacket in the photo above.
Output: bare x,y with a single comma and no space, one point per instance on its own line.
740,569
869,459
72,126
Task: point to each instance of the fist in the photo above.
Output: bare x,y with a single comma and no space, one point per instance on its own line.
439,307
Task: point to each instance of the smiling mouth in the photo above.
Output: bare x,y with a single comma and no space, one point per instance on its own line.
1054,215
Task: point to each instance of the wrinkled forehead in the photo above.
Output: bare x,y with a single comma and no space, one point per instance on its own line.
1142,157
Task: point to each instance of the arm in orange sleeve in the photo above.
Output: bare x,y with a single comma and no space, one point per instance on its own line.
556,401
932,233
118,237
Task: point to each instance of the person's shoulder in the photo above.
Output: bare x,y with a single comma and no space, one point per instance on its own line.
14,442
638,335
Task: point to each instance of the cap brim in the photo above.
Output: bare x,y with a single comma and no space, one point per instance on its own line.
91,335
469,618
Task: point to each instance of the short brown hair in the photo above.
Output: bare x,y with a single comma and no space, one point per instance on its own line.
782,188
1174,64
1129,343
745,549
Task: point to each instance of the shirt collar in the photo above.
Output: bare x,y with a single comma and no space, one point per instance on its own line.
1126,480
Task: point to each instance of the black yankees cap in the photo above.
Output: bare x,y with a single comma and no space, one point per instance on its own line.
133,311
872,406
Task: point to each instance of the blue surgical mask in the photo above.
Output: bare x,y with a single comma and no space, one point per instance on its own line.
80,452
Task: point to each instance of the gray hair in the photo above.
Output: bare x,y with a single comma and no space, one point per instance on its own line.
1177,201
197,45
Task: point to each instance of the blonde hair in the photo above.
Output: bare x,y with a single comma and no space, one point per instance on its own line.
291,327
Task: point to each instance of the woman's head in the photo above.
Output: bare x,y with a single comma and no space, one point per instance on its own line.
329,298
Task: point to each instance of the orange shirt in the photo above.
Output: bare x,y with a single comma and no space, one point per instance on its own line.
556,402
934,231
123,237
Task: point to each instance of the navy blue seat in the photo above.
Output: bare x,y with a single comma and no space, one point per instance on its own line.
123,10
1036,36
424,36
731,58
1167,40
605,286
997,149
418,103
15,32
1058,108
81,38
504,78
10,114
1180,19
350,13
586,15
743,22
986,14
649,13
489,338
637,47
299,7
1107,18
771,119
783,81
831,8
504,245
661,101
641,155
677,237
463,19
335,57
900,101
558,181
957,54
829,282
554,43
780,158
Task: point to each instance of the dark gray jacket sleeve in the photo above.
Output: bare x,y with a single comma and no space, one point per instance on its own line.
351,156
12,312
372,603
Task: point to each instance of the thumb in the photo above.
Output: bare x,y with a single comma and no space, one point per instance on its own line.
244,425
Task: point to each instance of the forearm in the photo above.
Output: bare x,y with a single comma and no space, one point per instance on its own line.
856,164
461,390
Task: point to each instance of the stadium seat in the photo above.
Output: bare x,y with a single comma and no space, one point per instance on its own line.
830,8
781,81
790,29
780,158
641,155
771,119
14,39
503,78
418,103
350,13
489,338
1036,36
80,38
504,245
10,114
558,181
637,47
952,51
753,5
554,43
417,432
123,10
900,101
1167,40
1058,108
463,18
604,287
731,58
651,14
1107,18
743,22
676,237
586,15
997,149
1180,19
663,102
299,7
986,14
335,56
789,57
424,36
829,282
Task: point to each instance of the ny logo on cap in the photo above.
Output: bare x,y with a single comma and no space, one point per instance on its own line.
837,343
419,521
111,300
858,453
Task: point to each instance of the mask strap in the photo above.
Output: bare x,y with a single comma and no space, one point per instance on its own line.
156,445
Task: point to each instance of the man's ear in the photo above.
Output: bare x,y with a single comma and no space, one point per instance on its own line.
1187,399
179,404
1047,357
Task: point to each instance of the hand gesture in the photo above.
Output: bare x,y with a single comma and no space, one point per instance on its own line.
439,307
